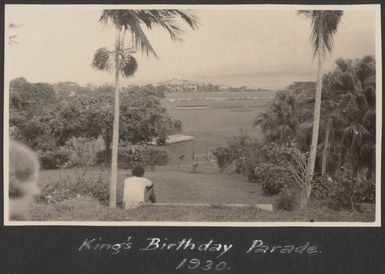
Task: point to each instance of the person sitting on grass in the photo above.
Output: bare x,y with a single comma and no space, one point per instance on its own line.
23,176
137,189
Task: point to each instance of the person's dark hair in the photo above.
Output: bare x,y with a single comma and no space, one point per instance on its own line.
138,171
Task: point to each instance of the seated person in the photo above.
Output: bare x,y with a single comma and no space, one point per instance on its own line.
23,175
137,189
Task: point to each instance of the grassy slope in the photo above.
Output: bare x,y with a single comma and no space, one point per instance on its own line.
84,209
175,185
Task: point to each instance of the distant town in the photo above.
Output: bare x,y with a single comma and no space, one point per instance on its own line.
183,86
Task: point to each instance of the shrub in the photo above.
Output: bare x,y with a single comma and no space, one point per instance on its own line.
77,152
341,193
272,186
272,177
239,156
128,157
141,155
152,157
103,157
83,152
344,191
53,159
287,200
224,157
81,182
251,173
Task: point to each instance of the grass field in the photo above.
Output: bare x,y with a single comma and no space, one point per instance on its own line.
227,113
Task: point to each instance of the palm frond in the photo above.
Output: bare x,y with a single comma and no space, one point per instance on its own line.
324,26
164,18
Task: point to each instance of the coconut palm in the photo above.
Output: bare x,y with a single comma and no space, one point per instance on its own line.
324,26
120,60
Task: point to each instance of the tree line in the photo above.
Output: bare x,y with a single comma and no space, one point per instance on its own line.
348,111
46,116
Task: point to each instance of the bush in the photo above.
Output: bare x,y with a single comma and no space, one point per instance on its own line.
155,157
83,152
272,177
103,157
53,159
81,182
77,152
239,156
140,155
129,157
224,157
344,191
287,200
341,193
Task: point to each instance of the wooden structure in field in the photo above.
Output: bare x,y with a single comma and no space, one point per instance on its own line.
180,148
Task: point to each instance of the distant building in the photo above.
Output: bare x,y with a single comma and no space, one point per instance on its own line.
180,148
180,85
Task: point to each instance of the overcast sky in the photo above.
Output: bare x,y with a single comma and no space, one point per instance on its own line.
258,48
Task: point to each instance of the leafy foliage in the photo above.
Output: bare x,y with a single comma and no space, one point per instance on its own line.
145,156
40,121
287,199
83,182
272,177
128,66
82,151
133,20
345,191
53,159
348,142
347,117
101,60
239,156
280,121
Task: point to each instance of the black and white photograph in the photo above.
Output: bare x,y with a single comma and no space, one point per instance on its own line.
183,115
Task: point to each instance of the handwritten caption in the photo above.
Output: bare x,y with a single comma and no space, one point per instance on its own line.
214,249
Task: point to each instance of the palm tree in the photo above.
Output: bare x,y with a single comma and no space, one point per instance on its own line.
359,134
124,64
324,26
332,109
280,122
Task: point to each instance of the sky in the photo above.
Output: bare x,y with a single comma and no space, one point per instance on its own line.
257,48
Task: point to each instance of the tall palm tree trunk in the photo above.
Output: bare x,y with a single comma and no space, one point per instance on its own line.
115,130
317,110
325,153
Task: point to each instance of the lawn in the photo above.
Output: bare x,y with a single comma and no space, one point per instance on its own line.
178,185
175,184
226,115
